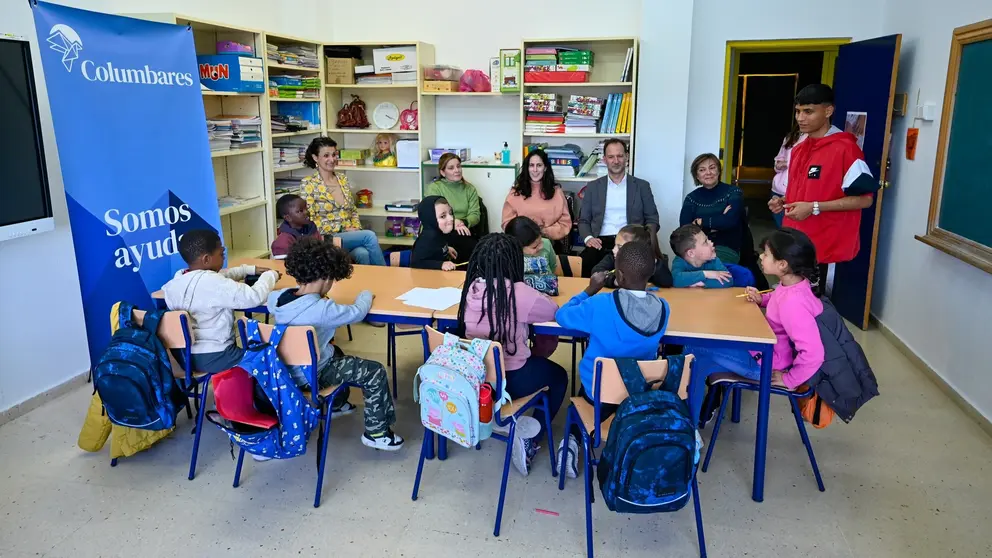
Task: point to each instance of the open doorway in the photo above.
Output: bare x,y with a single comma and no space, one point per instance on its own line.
760,82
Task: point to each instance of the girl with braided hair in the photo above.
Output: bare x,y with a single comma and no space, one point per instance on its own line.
496,304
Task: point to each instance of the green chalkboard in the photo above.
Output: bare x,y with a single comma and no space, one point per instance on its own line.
966,196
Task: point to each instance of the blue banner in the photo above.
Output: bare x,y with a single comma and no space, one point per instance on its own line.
132,142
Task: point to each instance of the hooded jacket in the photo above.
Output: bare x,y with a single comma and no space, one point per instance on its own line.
827,169
620,324
431,248
845,381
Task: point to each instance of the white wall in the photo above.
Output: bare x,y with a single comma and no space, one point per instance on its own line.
938,305
469,41
42,335
715,22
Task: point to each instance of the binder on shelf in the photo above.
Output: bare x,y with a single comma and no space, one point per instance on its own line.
625,75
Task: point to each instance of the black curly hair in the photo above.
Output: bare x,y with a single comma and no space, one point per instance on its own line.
284,202
312,259
796,249
310,159
197,242
522,184
635,260
498,260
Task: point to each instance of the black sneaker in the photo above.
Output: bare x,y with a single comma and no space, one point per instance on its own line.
390,441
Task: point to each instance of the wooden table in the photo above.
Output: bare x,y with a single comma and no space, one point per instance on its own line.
701,317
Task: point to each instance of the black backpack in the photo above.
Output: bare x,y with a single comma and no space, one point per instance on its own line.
651,454
134,375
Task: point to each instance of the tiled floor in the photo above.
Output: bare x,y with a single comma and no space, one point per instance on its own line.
909,477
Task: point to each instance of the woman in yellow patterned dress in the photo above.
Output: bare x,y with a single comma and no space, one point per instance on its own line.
332,205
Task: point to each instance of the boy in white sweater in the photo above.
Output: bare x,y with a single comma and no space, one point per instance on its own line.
211,295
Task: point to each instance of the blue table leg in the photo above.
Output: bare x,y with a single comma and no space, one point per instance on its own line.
761,438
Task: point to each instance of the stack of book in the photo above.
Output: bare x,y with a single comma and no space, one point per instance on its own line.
540,59
374,79
617,115
246,132
352,157
571,60
287,186
294,87
219,134
288,123
304,56
287,154
565,160
583,114
544,114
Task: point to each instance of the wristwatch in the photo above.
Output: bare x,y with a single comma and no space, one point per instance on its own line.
816,208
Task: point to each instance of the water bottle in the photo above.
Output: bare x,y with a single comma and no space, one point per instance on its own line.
506,153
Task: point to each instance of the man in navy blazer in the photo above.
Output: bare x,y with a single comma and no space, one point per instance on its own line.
612,202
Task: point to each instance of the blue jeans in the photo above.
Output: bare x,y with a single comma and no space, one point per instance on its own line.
363,247
778,216
710,361
535,374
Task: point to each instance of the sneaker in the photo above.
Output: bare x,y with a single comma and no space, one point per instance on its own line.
531,447
520,453
390,441
572,469
375,324
345,409
260,457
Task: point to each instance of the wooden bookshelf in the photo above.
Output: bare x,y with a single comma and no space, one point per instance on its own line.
609,58
388,184
243,173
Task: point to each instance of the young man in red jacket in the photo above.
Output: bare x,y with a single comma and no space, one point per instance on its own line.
829,183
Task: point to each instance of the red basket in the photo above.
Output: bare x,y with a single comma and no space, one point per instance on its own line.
556,77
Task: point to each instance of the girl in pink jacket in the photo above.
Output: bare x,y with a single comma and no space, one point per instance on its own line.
791,311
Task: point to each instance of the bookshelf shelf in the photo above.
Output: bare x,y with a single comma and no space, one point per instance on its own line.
396,240
278,100
234,152
370,131
370,86
298,133
289,168
278,66
380,211
243,206
582,84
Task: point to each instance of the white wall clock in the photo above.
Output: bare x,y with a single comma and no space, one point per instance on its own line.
385,115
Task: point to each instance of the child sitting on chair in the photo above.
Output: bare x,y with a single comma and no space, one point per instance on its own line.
696,264
434,246
626,323
296,224
211,295
661,277
316,265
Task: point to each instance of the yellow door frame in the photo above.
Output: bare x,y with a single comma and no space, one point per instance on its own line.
827,46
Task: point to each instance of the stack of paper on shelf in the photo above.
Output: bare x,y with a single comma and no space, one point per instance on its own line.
285,154
230,201
287,186
219,134
304,56
292,86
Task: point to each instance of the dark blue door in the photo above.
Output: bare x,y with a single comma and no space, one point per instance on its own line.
864,81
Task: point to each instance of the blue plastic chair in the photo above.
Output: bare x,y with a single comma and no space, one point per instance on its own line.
608,387
733,383
298,347
398,258
504,417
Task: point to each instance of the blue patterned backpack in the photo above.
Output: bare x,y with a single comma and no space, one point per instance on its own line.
296,415
652,449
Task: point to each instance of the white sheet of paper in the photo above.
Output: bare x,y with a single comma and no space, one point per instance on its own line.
433,299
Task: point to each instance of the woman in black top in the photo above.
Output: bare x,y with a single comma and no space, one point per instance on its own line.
715,206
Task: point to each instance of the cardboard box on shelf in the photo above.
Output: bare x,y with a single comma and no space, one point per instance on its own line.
395,59
509,70
445,86
230,72
463,153
341,70
494,73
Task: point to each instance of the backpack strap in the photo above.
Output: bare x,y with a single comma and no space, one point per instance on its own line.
673,379
125,314
566,267
152,319
480,347
276,336
254,335
631,375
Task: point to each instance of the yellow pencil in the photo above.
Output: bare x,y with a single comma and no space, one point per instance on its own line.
759,292
461,264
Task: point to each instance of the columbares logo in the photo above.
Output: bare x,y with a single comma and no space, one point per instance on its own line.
65,40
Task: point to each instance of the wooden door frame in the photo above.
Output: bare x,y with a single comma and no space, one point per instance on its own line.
828,46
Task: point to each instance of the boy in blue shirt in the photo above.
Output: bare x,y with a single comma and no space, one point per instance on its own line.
696,264
627,322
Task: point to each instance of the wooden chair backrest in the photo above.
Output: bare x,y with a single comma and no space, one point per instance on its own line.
294,348
612,389
575,262
435,339
170,329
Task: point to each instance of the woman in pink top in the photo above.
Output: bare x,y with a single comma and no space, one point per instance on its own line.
791,312
781,180
535,195
496,304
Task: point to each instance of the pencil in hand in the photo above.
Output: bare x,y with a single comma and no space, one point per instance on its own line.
461,264
742,295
